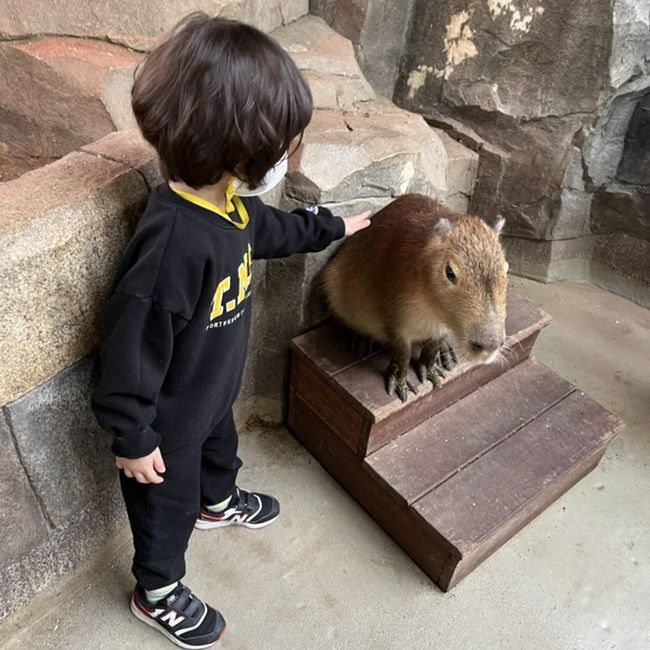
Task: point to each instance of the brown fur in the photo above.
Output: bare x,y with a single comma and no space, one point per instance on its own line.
388,281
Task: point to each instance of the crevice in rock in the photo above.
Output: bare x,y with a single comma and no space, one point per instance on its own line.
14,442
120,162
6,38
551,116
463,138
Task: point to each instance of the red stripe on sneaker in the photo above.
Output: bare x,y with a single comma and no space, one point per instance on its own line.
142,607
211,516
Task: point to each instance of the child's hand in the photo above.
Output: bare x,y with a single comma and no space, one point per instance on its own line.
143,470
356,223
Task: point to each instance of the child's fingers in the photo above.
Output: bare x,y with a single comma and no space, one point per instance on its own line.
128,473
152,477
158,463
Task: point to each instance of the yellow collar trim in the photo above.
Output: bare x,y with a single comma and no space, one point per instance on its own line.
233,204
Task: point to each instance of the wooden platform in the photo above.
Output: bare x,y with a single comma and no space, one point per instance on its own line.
455,472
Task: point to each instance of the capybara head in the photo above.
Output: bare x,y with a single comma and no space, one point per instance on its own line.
468,282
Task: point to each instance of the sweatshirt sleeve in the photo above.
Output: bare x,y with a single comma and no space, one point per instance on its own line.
135,356
306,230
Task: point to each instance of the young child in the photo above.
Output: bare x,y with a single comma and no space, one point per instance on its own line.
222,104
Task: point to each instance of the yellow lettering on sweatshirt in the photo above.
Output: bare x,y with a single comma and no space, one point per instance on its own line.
245,274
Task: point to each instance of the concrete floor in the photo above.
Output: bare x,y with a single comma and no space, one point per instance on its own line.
325,576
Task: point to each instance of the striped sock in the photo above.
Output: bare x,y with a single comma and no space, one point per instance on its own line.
153,596
219,507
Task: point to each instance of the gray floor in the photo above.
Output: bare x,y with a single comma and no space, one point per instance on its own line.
325,576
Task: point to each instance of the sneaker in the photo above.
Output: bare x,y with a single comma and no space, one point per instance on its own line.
182,617
247,509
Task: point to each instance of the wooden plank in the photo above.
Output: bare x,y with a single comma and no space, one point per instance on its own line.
365,383
455,571
326,400
522,315
426,456
475,502
419,541
328,347
432,401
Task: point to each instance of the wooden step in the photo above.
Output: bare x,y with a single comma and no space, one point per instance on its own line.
459,485
349,392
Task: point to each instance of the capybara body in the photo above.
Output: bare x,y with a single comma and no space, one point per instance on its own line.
423,274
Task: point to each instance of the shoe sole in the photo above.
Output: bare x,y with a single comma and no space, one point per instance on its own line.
175,640
206,525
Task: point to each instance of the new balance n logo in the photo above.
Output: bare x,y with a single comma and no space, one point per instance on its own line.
172,618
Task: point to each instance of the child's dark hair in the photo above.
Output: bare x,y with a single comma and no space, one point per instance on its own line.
219,97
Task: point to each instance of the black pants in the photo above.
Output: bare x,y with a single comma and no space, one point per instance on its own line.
162,516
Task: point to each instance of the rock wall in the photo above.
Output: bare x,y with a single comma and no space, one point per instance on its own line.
138,25
551,94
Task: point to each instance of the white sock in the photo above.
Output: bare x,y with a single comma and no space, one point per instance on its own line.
154,595
219,507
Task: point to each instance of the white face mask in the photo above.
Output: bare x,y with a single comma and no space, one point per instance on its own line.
272,178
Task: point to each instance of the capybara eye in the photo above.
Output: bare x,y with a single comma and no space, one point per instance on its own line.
451,276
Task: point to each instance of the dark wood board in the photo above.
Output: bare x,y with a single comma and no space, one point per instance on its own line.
500,483
430,551
455,472
426,456
334,373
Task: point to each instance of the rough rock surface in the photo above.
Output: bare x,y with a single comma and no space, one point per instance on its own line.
80,539
42,116
378,30
130,148
62,231
380,150
96,68
23,524
552,94
139,25
57,436
359,152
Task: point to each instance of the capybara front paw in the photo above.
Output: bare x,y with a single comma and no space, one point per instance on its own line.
446,357
432,373
399,385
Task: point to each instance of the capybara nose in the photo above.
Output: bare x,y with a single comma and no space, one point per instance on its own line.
486,345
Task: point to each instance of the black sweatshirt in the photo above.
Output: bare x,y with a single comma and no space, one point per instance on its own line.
176,326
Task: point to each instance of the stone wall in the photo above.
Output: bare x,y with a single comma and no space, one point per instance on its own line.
549,93
62,229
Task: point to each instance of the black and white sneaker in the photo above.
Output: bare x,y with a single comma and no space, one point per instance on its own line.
247,509
182,617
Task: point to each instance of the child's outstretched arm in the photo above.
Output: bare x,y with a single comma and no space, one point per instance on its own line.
305,230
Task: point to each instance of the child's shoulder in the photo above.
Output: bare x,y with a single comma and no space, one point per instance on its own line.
164,258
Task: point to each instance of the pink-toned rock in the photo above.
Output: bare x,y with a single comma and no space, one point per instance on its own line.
139,25
130,148
96,68
42,116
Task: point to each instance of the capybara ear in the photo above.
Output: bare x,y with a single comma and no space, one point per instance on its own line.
443,228
498,224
